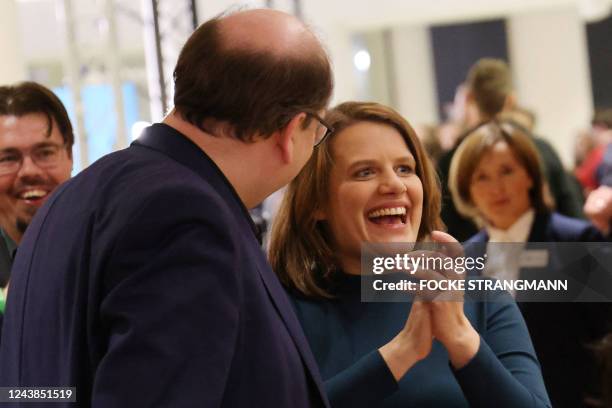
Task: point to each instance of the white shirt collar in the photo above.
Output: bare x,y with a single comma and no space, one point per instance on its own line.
517,232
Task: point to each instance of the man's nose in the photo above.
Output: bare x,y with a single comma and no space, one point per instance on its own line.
29,168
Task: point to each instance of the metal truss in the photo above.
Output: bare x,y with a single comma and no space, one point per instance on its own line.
168,23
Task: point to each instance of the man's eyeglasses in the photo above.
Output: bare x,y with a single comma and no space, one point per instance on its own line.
323,130
45,156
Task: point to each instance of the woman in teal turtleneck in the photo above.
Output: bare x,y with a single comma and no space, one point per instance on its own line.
372,182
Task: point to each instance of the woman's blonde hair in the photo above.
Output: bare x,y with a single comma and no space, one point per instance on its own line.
479,142
301,251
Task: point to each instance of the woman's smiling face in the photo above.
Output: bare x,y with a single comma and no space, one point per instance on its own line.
375,194
500,186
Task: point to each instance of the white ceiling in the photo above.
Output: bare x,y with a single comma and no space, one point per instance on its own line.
380,13
42,32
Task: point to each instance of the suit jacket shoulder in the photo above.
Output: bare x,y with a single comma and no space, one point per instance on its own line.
555,227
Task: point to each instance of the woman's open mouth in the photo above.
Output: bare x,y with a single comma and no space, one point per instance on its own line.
388,216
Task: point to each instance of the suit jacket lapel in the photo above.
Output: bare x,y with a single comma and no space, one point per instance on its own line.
285,310
540,228
172,143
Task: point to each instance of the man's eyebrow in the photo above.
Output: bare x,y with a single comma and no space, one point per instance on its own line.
44,144
35,146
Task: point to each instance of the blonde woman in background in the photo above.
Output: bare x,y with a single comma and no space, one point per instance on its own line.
496,178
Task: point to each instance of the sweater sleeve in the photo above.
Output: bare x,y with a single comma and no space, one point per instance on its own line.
505,371
364,384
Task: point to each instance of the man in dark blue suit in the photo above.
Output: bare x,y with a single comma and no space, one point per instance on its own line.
141,281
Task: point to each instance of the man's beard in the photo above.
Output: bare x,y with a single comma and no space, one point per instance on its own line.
22,225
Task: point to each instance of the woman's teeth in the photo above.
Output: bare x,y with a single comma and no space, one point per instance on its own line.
388,215
387,211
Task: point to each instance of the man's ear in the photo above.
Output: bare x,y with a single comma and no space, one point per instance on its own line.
286,137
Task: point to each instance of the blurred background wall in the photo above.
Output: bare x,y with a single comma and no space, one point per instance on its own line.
103,57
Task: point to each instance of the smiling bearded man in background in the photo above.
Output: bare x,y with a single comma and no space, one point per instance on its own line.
35,157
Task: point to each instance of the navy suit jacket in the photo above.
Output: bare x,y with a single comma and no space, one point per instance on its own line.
553,227
562,332
141,282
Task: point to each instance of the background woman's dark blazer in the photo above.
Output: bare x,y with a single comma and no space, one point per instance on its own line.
562,332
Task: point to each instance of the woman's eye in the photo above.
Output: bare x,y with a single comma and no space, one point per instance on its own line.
481,177
405,170
507,170
364,173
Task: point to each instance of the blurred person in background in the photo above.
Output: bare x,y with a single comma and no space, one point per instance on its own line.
428,136
604,353
590,172
448,134
490,93
371,181
561,184
7,221
496,179
520,116
585,142
598,206
36,141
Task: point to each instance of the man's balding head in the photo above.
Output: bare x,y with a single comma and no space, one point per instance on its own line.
266,30
253,69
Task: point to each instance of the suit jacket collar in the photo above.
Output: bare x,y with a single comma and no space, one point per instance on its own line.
540,229
172,143
518,232
481,236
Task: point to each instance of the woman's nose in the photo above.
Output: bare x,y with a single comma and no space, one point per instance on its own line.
391,184
497,186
